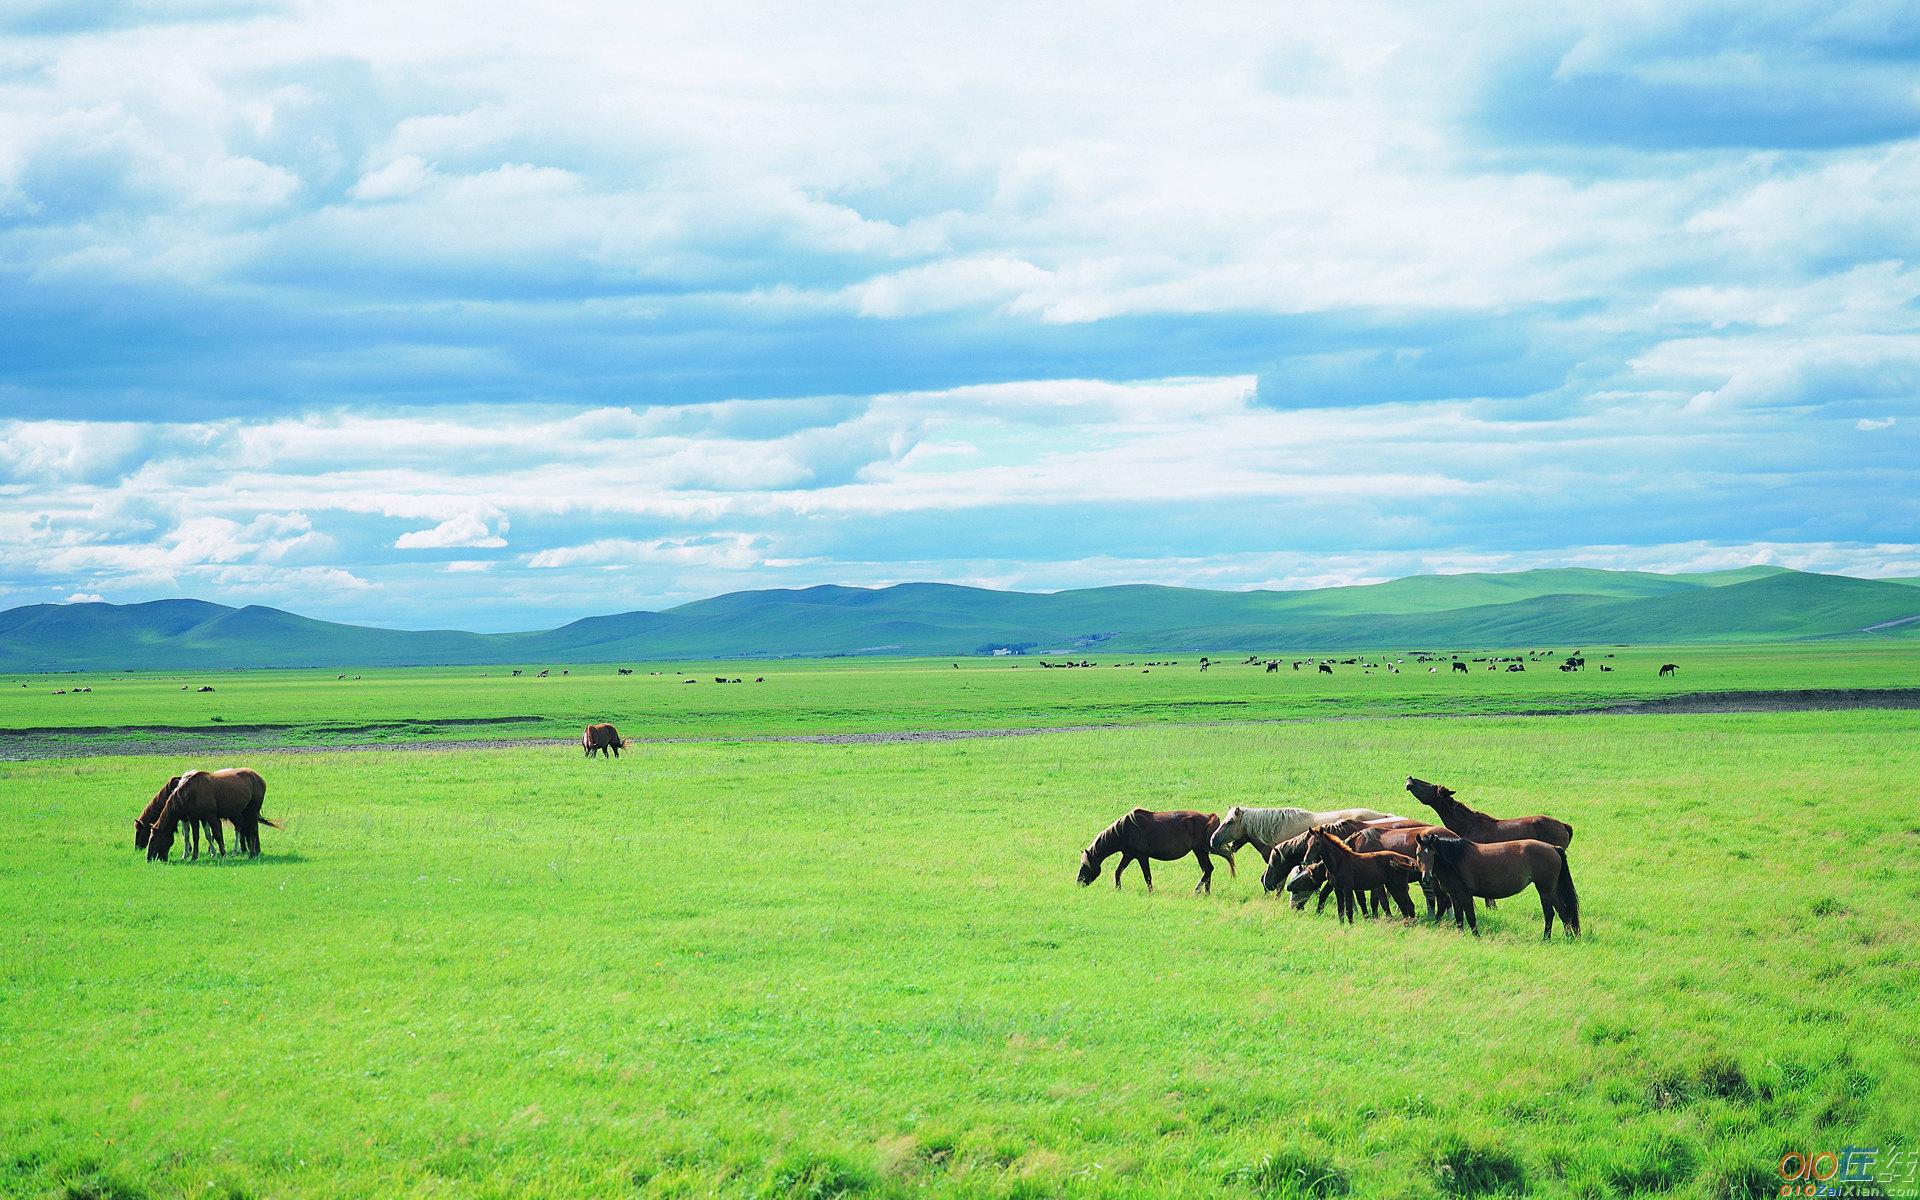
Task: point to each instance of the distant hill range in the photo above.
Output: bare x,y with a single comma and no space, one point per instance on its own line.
1557,608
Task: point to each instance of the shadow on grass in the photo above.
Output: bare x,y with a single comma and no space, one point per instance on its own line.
235,862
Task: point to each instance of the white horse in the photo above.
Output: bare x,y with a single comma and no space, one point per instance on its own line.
1268,827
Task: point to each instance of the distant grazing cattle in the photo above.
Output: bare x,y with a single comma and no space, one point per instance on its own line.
604,739
763,678
689,681
1460,668
541,675
204,688
1667,669
1326,669
1272,667
624,670
1605,669
516,673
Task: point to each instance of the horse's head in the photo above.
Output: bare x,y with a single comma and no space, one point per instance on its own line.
1434,848
1303,885
1227,831
1089,867
160,843
1433,795
139,834
1281,862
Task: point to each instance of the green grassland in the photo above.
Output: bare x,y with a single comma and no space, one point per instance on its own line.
834,695
775,969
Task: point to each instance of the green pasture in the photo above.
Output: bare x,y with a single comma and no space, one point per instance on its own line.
775,969
809,696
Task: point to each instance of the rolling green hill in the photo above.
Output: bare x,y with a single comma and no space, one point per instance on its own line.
1570,607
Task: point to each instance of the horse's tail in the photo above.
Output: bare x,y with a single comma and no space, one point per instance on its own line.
1569,898
270,824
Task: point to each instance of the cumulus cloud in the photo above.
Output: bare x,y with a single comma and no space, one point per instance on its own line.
480,529
85,598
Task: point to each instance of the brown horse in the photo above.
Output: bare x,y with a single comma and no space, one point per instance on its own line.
143,824
235,794
1465,869
1297,851
603,738
1355,872
1144,835
1479,827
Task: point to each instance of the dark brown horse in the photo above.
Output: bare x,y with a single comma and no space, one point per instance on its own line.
1355,872
1296,852
1496,870
1479,827
1144,835
603,738
143,824
235,794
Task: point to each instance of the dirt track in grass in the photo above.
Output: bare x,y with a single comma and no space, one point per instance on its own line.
54,742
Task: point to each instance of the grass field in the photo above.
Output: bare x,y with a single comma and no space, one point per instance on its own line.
775,969
393,705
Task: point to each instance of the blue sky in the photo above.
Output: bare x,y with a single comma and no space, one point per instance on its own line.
426,314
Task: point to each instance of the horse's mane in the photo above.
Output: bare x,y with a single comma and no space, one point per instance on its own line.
1447,847
150,815
1328,832
1449,799
1103,844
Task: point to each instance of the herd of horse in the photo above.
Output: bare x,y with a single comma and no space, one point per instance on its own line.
1362,858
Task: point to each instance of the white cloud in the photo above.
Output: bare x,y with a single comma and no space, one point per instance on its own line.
480,529
1868,424
733,551
85,598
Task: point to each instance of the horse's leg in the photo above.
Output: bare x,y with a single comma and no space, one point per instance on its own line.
1326,889
1401,899
1125,858
1146,872
1379,897
1206,871
218,838
1466,905
1546,909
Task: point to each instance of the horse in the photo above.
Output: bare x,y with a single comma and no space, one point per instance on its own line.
235,794
1667,669
1358,871
1144,835
603,738
1479,827
1301,857
1465,869
1268,827
143,824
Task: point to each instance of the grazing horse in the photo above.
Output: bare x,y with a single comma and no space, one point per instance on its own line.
1460,668
603,738
208,797
1144,835
1356,872
1479,827
1268,827
1465,869
143,824
1667,669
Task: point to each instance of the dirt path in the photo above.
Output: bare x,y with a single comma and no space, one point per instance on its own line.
18,745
